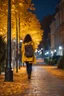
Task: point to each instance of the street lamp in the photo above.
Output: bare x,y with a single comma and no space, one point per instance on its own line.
55,50
60,50
60,47
8,70
19,44
20,53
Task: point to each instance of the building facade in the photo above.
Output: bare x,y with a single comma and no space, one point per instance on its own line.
57,30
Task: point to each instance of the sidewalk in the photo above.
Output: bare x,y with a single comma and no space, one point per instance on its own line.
16,87
55,71
43,83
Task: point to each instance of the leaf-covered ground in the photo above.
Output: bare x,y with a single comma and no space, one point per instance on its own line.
21,83
18,86
55,71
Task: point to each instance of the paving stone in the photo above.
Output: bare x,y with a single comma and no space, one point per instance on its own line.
43,83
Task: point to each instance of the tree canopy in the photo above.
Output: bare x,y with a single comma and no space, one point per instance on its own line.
22,11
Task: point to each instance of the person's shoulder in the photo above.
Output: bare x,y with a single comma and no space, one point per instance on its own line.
31,42
27,43
23,44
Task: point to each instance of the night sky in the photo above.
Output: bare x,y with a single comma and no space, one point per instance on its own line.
44,7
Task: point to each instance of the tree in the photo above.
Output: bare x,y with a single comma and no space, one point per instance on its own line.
2,53
28,21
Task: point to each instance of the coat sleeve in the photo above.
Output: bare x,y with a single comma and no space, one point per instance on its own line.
22,50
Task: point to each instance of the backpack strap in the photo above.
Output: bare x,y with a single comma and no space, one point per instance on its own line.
29,43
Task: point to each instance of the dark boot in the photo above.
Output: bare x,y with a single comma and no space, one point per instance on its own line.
29,76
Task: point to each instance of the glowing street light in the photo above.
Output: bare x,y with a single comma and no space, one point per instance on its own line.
60,47
36,50
61,50
47,52
21,41
41,48
55,50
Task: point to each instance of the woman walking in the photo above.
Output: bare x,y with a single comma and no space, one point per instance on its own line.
28,54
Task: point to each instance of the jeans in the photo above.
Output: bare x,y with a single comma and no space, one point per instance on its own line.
29,68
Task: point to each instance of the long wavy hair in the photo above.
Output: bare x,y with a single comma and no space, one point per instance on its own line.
27,38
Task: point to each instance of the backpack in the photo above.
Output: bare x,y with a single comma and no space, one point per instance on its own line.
29,51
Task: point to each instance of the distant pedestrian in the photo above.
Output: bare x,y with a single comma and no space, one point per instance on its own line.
28,53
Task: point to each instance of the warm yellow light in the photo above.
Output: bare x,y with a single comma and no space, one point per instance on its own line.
29,24
20,4
1,33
